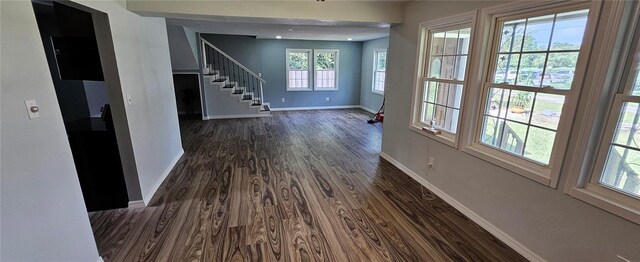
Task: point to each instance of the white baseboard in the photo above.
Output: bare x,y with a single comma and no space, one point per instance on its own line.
136,204
517,246
313,108
235,116
166,172
368,109
100,259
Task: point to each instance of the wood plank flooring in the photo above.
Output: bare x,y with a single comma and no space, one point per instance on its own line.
297,186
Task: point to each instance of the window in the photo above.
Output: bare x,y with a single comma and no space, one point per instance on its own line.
379,70
326,69
298,65
441,76
618,163
530,92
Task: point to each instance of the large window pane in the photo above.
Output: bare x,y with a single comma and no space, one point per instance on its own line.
512,35
491,131
520,106
437,43
539,144
627,131
622,170
569,30
498,101
513,137
506,68
538,33
530,72
636,86
547,110
451,42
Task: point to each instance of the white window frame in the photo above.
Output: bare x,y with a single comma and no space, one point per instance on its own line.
310,69
315,73
611,83
545,174
463,20
374,79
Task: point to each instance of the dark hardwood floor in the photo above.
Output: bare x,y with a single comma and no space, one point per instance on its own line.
298,186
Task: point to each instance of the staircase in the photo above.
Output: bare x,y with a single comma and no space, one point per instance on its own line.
231,89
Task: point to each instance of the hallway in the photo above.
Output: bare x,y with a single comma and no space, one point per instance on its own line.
297,186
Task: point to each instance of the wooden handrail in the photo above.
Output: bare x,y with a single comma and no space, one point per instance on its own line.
233,60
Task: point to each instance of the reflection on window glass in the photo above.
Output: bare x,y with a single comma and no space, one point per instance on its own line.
380,74
447,60
540,51
325,69
522,123
298,71
442,105
622,168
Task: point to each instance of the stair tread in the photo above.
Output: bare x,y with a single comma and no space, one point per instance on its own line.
220,80
229,86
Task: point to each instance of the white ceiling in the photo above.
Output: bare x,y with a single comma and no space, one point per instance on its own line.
297,29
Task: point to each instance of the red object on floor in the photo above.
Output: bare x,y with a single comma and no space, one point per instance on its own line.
379,117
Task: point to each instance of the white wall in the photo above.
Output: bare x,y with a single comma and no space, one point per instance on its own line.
548,222
144,69
42,217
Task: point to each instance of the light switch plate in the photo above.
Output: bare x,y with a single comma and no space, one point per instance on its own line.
35,113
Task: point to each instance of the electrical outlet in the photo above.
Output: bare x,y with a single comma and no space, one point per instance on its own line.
327,98
283,100
431,162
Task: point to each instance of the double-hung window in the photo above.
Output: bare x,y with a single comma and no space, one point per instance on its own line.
379,70
326,69
441,76
298,69
531,88
618,163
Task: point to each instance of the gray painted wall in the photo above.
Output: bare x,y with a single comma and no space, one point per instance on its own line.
267,56
547,221
43,215
182,46
368,99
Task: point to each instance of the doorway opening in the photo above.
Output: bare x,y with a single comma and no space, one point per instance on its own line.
188,98
70,44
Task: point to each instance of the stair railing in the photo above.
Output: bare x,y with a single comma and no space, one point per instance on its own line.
218,64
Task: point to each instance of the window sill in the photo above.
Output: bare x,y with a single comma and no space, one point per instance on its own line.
440,138
378,93
322,90
299,90
514,164
599,197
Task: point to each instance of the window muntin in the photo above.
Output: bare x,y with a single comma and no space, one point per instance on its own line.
379,71
444,77
533,68
326,69
298,65
540,51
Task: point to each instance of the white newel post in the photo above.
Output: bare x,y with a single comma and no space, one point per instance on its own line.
261,94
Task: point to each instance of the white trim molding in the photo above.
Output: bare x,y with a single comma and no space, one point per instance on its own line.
504,237
100,259
314,108
166,173
135,204
235,116
368,109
